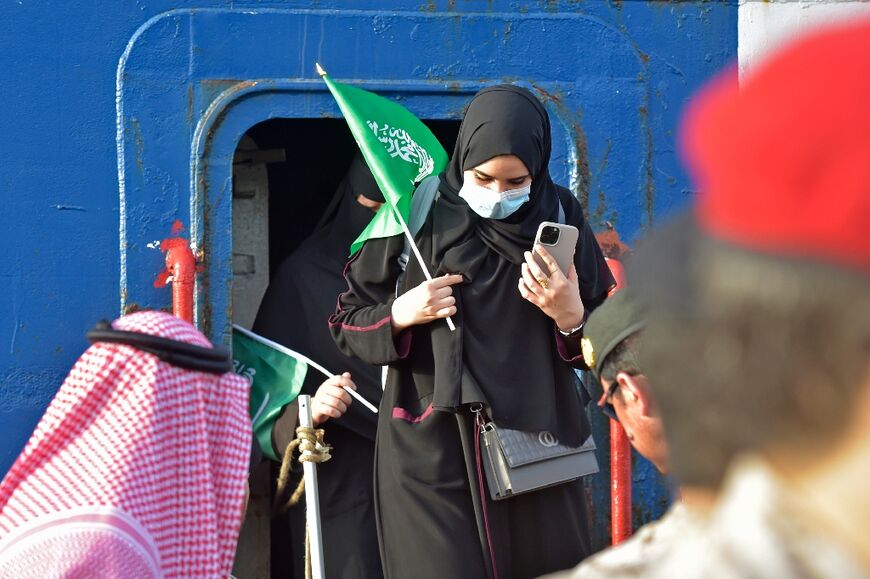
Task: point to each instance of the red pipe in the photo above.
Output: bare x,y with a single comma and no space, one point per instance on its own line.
181,265
620,456
620,484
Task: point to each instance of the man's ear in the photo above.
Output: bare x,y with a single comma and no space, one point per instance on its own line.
635,390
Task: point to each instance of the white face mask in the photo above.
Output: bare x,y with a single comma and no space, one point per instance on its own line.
492,204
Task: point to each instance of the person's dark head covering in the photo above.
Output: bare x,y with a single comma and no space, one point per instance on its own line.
344,218
303,290
485,134
505,343
619,317
361,181
507,120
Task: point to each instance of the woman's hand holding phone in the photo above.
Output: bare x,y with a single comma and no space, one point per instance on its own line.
429,301
556,294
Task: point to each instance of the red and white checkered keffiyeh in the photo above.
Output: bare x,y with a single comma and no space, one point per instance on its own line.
137,469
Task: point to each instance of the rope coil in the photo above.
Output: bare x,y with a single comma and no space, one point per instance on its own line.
312,448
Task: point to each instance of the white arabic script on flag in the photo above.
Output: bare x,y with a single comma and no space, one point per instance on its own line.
400,144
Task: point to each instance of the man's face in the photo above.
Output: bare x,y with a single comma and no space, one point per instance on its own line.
632,402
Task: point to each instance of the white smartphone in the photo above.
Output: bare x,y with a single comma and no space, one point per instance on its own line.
560,240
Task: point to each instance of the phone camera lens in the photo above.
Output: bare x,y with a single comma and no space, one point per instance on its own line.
550,235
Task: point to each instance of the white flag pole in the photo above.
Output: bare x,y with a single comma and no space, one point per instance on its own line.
418,256
404,225
312,497
302,358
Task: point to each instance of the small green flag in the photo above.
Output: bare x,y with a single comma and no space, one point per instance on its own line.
399,149
276,378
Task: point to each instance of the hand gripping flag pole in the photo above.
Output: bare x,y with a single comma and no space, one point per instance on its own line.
251,357
276,374
400,151
419,257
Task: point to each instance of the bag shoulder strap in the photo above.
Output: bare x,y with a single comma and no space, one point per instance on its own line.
421,204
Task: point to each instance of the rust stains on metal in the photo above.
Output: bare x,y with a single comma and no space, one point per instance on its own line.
581,161
212,87
203,277
582,164
598,513
599,216
203,273
190,103
611,245
223,82
650,504
646,128
644,57
649,185
213,127
600,207
202,287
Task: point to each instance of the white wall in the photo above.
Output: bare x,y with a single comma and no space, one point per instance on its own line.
764,25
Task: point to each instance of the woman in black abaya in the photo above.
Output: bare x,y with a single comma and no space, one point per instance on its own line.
517,336
300,298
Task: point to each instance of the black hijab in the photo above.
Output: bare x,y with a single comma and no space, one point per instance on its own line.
301,295
506,120
506,345
344,218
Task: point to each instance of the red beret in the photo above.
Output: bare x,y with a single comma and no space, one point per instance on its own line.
783,163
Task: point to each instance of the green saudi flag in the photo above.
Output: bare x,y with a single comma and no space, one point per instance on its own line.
399,149
276,375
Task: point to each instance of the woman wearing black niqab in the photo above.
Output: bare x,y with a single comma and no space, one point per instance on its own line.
507,352
300,297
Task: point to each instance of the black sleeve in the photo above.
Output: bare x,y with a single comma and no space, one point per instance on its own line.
362,323
569,350
593,273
